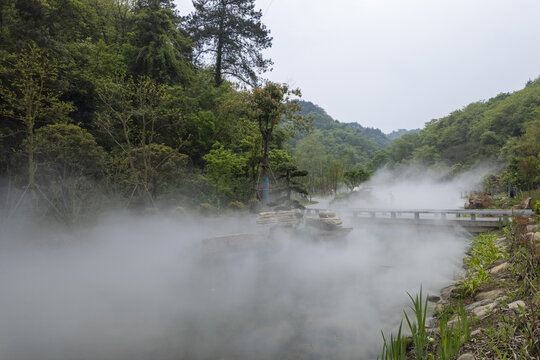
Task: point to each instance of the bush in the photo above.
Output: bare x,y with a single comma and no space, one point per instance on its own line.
254,205
537,208
207,209
237,205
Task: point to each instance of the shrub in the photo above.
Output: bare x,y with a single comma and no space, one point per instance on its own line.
207,209
237,205
254,205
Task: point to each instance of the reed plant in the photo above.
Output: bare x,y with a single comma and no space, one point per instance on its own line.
394,348
418,328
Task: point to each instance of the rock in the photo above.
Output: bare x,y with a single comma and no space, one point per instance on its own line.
467,356
483,311
526,204
499,268
439,308
473,305
532,228
536,237
446,292
478,202
433,298
327,214
493,294
476,332
516,304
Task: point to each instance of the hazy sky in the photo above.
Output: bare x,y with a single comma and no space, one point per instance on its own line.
395,64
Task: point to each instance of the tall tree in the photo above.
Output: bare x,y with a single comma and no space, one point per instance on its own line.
231,35
162,51
28,95
269,105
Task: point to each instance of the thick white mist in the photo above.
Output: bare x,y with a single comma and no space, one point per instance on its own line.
132,288
416,187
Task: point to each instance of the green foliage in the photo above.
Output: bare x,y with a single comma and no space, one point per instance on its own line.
418,327
161,51
289,172
505,127
483,253
237,205
453,337
222,165
394,348
230,34
354,178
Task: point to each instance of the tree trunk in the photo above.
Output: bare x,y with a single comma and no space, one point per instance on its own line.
219,50
30,150
266,170
217,76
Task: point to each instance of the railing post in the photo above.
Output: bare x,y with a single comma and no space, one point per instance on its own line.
443,215
473,216
393,214
416,215
505,220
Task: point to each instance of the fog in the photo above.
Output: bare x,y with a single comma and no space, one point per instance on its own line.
416,187
146,288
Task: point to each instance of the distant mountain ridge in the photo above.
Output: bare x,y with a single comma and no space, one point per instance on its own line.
396,134
323,121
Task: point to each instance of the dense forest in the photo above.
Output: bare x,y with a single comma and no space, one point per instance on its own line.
134,104
504,130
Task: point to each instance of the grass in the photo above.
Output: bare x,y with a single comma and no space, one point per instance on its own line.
483,254
418,328
452,336
395,348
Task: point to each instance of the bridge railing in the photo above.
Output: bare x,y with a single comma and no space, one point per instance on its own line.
503,214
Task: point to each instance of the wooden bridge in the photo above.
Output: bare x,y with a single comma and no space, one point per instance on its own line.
474,221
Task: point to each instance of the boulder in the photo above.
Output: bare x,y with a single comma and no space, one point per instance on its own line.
433,298
446,292
484,310
476,304
499,268
492,295
516,304
478,202
467,356
532,228
526,204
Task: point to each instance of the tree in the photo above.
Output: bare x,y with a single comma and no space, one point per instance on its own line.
528,169
162,51
269,105
222,166
130,117
335,175
288,173
69,162
354,178
230,34
28,95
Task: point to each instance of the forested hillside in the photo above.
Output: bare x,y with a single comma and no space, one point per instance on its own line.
504,129
136,104
131,104
332,148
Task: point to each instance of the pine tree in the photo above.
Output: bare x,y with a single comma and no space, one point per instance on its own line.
162,52
229,33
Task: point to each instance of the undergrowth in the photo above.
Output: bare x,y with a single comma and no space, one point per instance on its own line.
483,254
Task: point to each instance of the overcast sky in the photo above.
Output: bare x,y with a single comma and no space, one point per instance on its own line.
393,64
